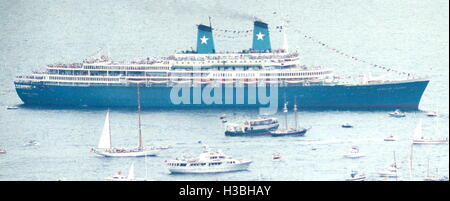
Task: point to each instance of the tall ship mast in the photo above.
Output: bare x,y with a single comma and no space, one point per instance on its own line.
207,78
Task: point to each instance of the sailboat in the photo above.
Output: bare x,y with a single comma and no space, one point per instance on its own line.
419,139
106,149
292,131
392,170
120,177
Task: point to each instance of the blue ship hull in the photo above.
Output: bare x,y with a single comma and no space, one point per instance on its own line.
401,95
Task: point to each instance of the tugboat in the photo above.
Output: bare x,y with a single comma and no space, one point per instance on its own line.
397,114
289,132
255,127
207,162
354,153
354,176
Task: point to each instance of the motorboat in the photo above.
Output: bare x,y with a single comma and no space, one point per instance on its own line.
119,176
354,153
392,171
390,138
207,162
397,113
346,125
106,149
31,143
2,151
12,107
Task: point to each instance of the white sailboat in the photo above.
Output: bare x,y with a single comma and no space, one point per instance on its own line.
418,138
120,177
392,171
106,149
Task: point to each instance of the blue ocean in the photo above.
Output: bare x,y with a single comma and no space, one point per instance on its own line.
406,36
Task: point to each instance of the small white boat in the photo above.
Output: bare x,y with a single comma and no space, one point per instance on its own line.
392,171
397,114
207,162
12,107
276,156
2,151
31,143
432,114
121,177
354,153
390,138
355,176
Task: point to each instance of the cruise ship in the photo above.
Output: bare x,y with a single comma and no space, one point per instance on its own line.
256,77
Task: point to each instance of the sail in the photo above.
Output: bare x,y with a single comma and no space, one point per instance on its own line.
418,131
105,139
131,172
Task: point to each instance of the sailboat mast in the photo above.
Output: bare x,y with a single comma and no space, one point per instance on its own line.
139,117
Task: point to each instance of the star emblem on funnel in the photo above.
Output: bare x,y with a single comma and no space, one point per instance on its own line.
260,36
204,39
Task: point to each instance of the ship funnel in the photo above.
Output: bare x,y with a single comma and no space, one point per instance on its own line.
261,38
205,42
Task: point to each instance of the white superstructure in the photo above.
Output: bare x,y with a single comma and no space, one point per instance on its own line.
207,162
